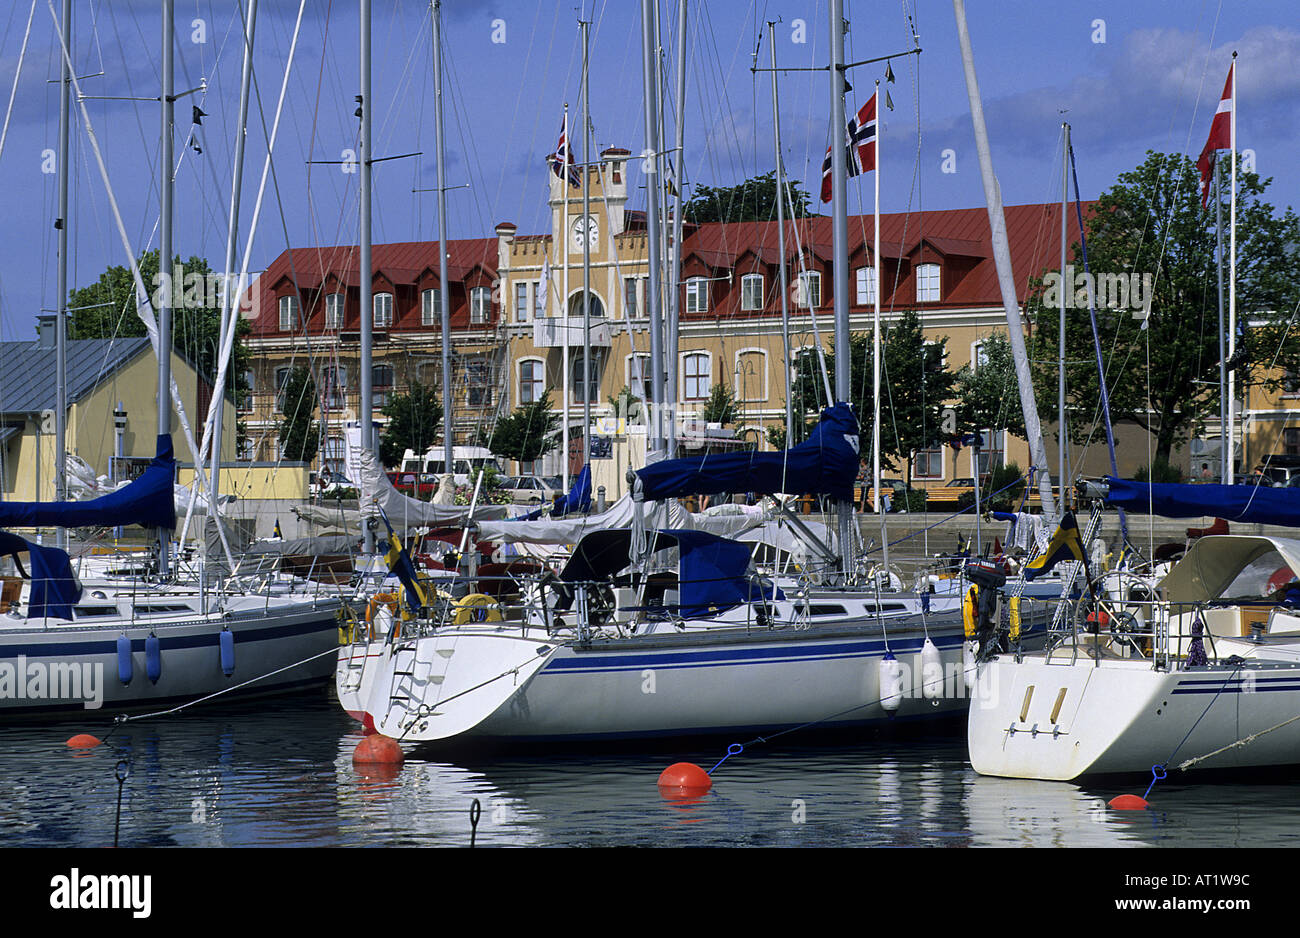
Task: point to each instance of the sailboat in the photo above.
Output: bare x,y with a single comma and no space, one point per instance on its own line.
656,630
144,642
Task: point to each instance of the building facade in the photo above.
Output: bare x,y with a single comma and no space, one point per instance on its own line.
517,320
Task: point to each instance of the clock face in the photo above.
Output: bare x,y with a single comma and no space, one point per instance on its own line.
583,233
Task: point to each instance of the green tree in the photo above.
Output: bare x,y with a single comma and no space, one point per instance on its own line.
808,389
414,423
528,433
1163,369
721,407
988,397
752,200
299,431
106,309
916,386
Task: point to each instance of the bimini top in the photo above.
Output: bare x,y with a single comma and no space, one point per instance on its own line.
1234,567
1258,504
147,501
713,572
55,589
824,464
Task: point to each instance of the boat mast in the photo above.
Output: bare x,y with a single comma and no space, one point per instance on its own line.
563,244
840,254
164,291
675,277
61,317
650,166
444,294
586,250
365,286
1002,259
780,237
875,364
232,234
1060,349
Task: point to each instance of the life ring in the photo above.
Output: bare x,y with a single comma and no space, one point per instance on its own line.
376,603
476,607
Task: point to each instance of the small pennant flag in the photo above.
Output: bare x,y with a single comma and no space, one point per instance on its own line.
400,565
1066,544
1220,135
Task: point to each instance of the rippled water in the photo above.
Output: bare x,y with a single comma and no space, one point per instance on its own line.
280,773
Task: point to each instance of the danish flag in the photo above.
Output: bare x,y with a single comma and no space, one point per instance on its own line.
861,140
1220,135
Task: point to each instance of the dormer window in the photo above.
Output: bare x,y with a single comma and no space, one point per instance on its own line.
927,283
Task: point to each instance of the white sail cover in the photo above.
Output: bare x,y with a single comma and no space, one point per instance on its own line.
406,513
618,515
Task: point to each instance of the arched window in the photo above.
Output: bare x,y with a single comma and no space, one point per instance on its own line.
697,376
381,384
532,380
751,375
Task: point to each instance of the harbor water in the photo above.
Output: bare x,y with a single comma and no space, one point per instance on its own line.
279,773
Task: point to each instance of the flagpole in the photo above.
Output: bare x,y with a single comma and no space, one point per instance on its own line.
672,340
780,240
563,240
654,435
1060,348
1224,459
875,365
586,250
1232,273
840,254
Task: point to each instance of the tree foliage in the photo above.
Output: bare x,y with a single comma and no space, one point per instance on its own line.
721,407
1163,369
299,431
526,434
414,423
106,309
988,397
752,200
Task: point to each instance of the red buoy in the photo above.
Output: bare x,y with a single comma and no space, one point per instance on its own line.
686,778
83,741
378,750
368,724
1128,803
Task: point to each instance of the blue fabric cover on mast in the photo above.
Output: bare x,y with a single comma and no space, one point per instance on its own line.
579,497
148,501
1242,503
824,464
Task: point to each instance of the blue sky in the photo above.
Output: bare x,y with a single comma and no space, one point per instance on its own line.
1130,76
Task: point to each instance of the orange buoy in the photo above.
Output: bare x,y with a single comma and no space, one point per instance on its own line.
1127,803
685,777
83,741
378,750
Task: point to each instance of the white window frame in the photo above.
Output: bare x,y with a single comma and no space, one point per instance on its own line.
806,280
917,475
702,394
745,390
289,308
383,311
479,299
430,306
538,380
632,364
929,285
633,312
334,306
575,376
864,283
697,295
745,282
523,299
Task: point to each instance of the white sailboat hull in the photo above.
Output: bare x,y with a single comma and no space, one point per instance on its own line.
1048,718
52,668
529,687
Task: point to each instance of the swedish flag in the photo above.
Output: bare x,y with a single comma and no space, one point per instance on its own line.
400,565
1066,544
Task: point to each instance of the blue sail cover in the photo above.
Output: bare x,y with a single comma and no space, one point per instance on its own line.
824,464
148,501
54,588
713,574
1243,503
579,497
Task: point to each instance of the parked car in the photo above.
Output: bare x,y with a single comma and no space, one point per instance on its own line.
530,490
416,484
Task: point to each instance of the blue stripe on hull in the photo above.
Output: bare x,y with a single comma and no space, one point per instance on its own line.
203,640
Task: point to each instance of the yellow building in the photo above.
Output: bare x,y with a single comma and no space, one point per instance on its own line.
109,381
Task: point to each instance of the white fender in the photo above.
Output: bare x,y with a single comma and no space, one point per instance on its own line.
891,682
931,672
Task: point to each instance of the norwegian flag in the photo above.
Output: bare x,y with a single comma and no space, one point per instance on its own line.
1220,136
562,163
861,156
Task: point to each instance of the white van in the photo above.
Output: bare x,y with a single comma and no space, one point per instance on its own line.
465,460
